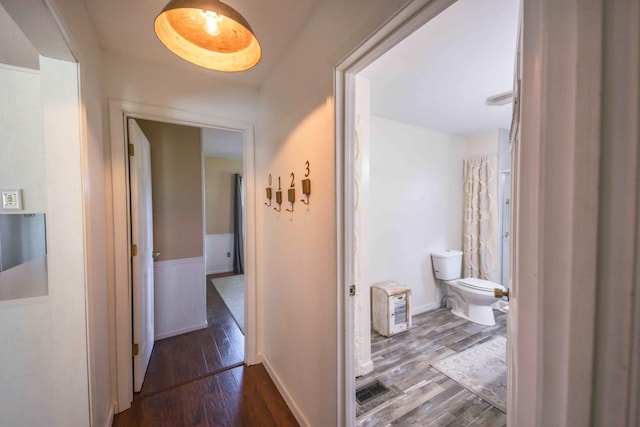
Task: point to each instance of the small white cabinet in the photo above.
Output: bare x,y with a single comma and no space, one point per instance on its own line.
391,308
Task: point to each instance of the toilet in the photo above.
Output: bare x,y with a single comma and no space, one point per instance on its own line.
470,298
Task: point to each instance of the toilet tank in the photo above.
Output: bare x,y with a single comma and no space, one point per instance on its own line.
447,265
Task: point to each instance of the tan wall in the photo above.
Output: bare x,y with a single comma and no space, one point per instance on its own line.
176,177
219,193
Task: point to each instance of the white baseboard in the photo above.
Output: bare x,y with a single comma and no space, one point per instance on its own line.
424,308
293,406
181,331
110,415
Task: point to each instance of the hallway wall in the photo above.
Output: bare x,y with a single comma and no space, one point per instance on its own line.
83,42
297,251
68,328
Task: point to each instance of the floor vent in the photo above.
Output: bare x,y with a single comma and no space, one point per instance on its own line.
370,391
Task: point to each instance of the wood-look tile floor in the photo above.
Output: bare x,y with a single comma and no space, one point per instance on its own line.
199,379
419,394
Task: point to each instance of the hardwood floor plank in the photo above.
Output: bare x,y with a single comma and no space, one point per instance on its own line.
198,379
192,355
468,412
242,396
491,417
421,395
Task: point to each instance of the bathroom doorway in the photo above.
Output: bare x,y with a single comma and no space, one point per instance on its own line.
406,200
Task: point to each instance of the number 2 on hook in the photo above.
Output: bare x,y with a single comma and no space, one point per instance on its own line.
293,182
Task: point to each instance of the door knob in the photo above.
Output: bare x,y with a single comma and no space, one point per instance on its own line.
500,293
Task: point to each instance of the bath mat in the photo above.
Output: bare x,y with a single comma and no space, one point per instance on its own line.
231,289
482,369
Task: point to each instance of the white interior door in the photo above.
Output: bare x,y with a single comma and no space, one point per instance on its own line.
142,261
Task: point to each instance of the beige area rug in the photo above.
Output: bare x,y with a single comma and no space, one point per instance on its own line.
482,369
231,289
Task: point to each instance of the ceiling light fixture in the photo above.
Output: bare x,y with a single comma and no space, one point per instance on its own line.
208,33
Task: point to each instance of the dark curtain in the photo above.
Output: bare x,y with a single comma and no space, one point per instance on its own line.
238,228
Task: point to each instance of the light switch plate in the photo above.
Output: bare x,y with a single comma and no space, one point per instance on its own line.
12,199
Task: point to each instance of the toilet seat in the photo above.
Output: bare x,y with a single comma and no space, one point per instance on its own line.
479,284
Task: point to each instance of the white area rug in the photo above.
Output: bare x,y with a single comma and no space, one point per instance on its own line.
482,369
231,289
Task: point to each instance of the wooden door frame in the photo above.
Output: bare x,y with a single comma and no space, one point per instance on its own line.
119,112
406,21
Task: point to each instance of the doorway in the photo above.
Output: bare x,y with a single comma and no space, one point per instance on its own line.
358,120
224,227
119,111
192,184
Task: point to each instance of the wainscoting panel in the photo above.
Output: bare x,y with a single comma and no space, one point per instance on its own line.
217,246
180,296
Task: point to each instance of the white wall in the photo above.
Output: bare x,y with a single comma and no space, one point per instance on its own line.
22,147
415,205
26,368
179,292
297,270
81,38
44,347
65,240
216,247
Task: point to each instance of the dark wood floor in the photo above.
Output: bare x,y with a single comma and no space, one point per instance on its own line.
419,394
199,379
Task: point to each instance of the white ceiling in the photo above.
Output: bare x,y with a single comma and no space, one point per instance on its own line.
441,75
126,27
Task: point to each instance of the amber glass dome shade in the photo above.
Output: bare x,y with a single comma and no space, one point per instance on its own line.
208,33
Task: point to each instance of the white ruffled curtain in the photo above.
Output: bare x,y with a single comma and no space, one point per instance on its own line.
480,221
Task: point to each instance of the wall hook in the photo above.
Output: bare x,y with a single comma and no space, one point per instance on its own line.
269,196
291,196
278,201
269,193
306,190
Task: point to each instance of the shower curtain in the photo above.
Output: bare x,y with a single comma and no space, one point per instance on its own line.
480,221
238,227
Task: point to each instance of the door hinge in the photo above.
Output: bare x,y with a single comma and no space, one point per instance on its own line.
352,290
134,250
132,150
135,350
